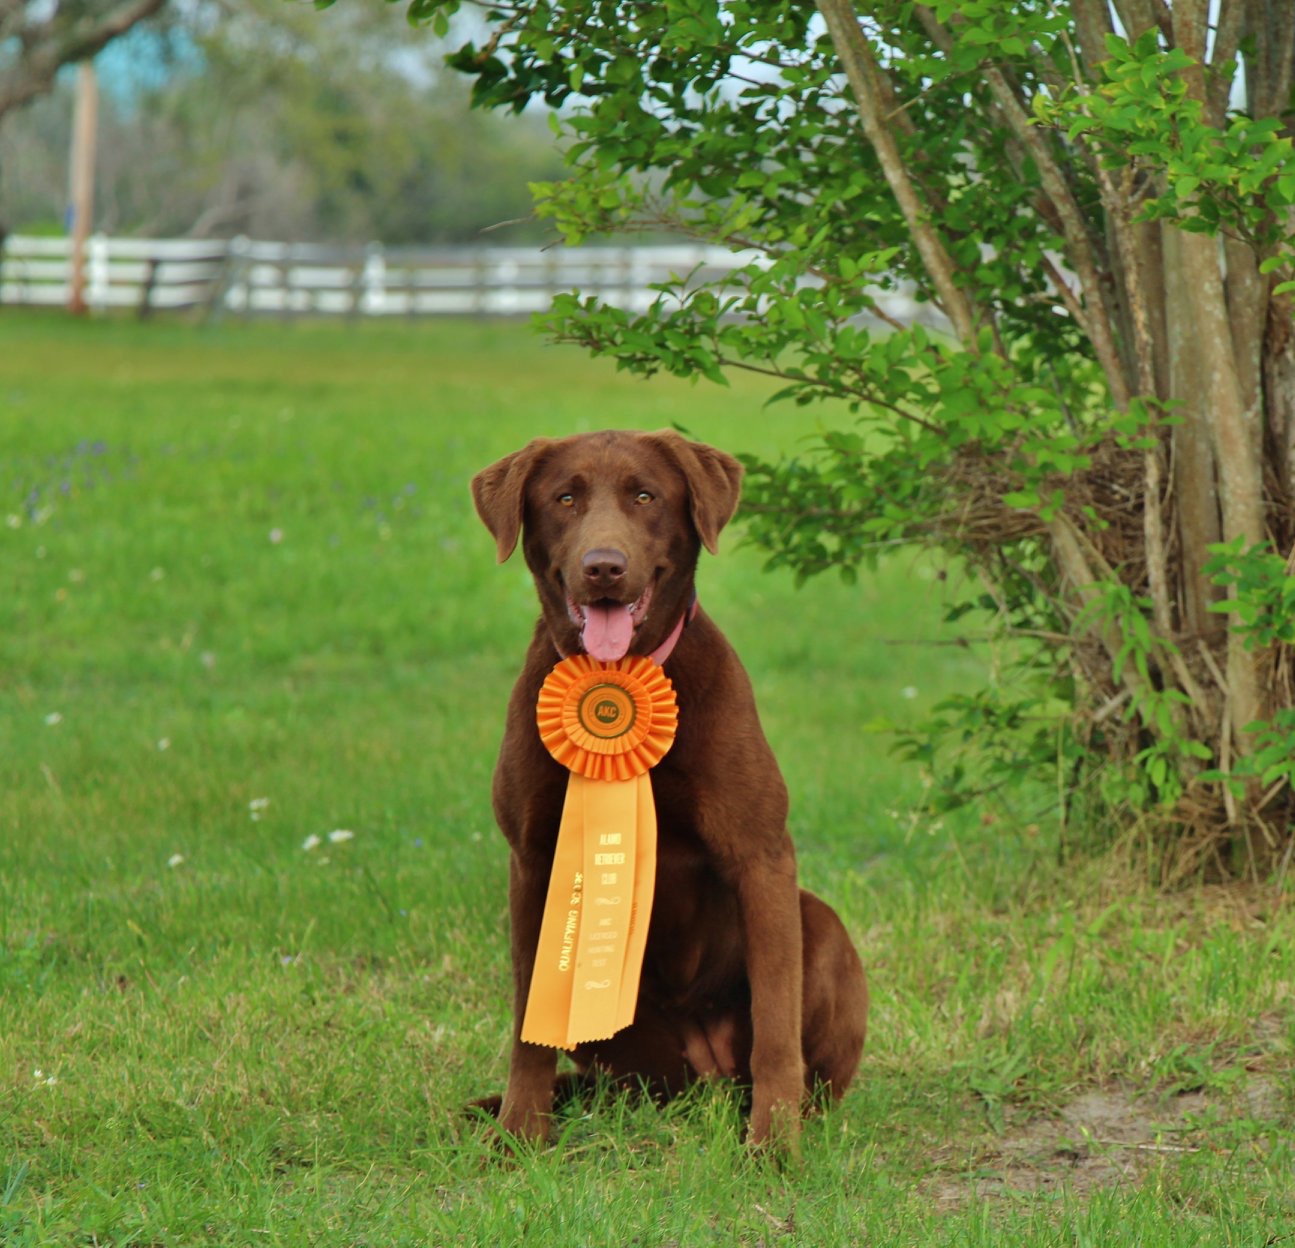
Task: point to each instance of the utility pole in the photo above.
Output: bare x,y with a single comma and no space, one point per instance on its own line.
84,131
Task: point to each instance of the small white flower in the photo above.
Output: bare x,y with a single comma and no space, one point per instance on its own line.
276,536
909,692
340,834
256,807
51,1081
175,860
164,743
38,1073
208,659
311,842
53,719
157,574
13,520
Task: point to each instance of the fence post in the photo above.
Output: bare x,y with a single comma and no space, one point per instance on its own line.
639,296
285,283
99,272
481,280
552,279
221,285
356,290
375,279
241,249
410,285
146,290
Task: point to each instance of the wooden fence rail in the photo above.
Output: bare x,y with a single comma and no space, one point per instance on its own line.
246,277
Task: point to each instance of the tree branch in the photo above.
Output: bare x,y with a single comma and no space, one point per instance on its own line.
1078,575
1137,16
1079,243
1269,71
1234,428
1068,296
1193,456
1227,39
1092,25
862,74
67,34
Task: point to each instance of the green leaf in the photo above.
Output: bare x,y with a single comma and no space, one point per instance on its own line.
1024,500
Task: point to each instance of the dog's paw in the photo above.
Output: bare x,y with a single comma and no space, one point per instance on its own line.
484,1106
505,1134
775,1127
529,1126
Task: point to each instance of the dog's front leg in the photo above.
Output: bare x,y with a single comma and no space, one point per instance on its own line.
770,902
532,1068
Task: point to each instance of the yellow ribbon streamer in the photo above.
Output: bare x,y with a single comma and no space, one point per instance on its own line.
608,723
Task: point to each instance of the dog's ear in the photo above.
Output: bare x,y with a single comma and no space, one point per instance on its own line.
500,494
714,483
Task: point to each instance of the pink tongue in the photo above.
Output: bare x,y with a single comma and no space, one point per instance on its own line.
608,632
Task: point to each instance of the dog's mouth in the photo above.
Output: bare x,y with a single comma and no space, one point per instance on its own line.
606,626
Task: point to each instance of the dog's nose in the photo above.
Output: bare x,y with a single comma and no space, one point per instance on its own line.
603,567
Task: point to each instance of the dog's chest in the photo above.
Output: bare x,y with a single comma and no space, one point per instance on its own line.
695,931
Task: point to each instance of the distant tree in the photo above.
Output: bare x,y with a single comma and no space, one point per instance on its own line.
263,118
39,37
1098,196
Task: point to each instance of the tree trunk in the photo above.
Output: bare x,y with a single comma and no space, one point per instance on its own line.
1176,316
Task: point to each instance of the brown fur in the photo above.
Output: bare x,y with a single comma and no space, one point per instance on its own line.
745,974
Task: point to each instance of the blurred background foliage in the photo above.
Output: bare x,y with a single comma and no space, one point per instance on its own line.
278,121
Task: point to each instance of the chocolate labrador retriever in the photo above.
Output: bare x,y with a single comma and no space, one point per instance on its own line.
745,974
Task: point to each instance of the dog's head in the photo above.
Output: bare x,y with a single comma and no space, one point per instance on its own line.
611,527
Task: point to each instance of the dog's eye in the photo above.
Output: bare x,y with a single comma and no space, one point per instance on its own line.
643,497
567,500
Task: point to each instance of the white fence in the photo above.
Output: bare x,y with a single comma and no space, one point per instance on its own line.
245,277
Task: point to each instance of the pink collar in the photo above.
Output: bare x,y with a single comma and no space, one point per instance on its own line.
666,648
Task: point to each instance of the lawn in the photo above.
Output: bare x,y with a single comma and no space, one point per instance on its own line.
247,608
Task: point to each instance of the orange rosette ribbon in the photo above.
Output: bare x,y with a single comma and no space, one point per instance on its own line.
608,724
607,721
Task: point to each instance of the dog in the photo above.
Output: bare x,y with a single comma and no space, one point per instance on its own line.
745,974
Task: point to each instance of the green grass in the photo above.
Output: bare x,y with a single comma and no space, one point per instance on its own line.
240,563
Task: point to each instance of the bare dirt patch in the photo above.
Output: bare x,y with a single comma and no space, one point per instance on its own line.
1101,1139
